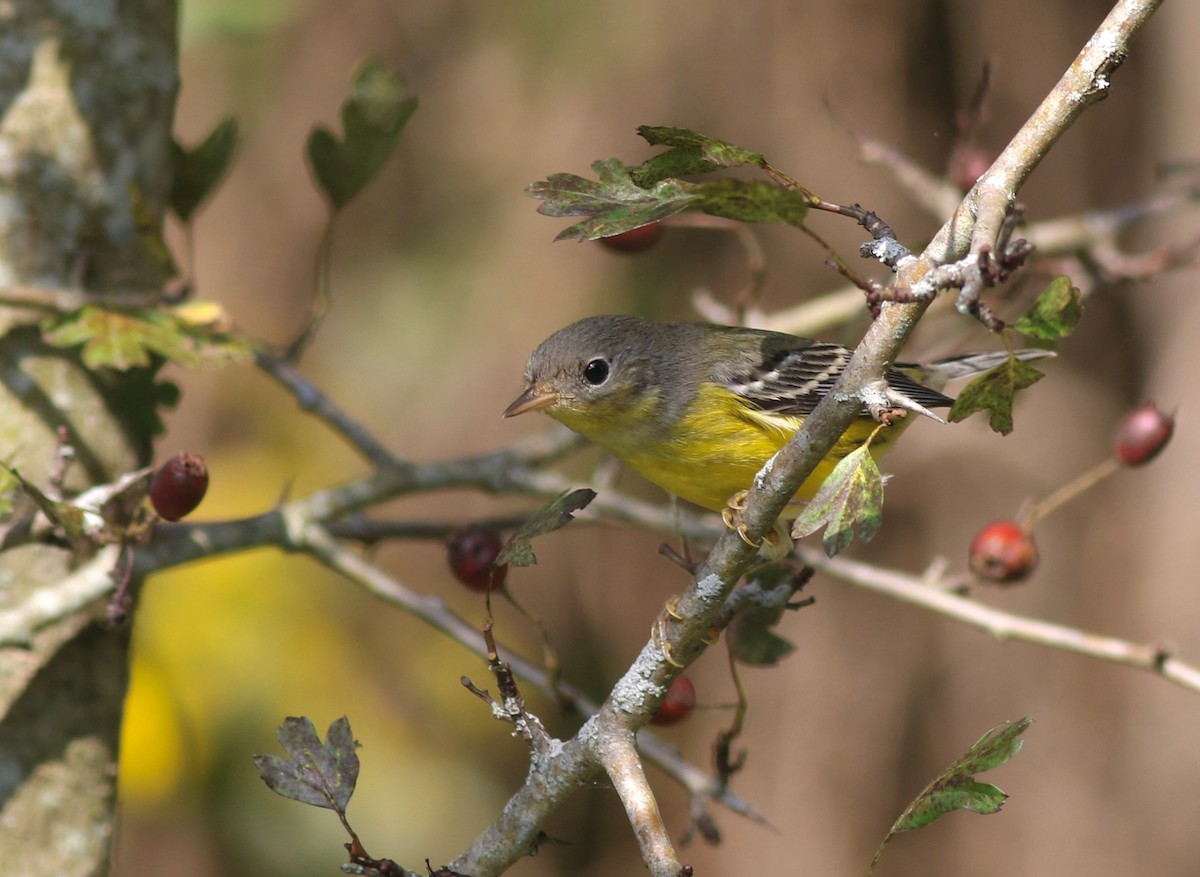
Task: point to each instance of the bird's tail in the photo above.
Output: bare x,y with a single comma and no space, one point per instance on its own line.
937,374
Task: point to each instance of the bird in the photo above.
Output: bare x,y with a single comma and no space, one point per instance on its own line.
698,408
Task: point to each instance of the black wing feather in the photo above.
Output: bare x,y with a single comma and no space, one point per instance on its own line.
792,381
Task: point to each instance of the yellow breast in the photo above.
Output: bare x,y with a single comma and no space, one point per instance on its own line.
719,446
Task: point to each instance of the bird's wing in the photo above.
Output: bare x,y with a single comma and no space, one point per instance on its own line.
792,380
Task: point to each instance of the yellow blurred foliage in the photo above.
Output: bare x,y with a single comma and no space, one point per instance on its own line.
152,747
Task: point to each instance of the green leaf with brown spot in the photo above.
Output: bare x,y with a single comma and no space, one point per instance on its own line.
612,202
850,499
995,391
751,201
690,153
956,787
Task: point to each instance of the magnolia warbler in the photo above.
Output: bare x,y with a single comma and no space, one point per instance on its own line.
699,408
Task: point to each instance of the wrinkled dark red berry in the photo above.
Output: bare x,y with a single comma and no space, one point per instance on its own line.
1003,552
472,551
1142,434
178,486
678,704
635,240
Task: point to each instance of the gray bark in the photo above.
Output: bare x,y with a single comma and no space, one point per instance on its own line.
87,93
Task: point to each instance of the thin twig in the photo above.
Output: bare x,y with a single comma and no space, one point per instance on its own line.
312,400
1003,625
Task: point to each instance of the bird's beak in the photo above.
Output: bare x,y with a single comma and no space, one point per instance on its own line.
535,398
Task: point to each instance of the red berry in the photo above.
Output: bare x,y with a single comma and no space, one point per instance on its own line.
1003,552
472,552
678,704
178,486
1142,434
635,240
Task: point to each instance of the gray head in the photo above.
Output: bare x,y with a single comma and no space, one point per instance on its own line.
596,374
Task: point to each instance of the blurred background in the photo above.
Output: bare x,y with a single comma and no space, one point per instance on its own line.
445,278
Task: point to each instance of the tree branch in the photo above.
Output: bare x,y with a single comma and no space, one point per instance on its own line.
1003,625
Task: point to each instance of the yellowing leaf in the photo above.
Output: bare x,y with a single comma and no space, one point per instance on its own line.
1055,313
122,340
851,497
203,315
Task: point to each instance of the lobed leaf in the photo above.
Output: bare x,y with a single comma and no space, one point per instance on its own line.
956,788
373,115
623,198
752,640
1055,313
321,774
995,391
612,202
122,340
850,498
690,153
751,201
197,171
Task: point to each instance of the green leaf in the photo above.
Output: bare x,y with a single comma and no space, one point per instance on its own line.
138,396
613,203
192,335
995,391
320,774
753,642
10,483
198,170
690,153
373,115
956,788
1055,313
851,497
518,551
69,518
751,201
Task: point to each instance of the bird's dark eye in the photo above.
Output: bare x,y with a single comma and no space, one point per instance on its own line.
596,372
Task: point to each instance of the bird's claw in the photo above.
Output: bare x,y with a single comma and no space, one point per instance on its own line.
775,545
658,633
732,516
